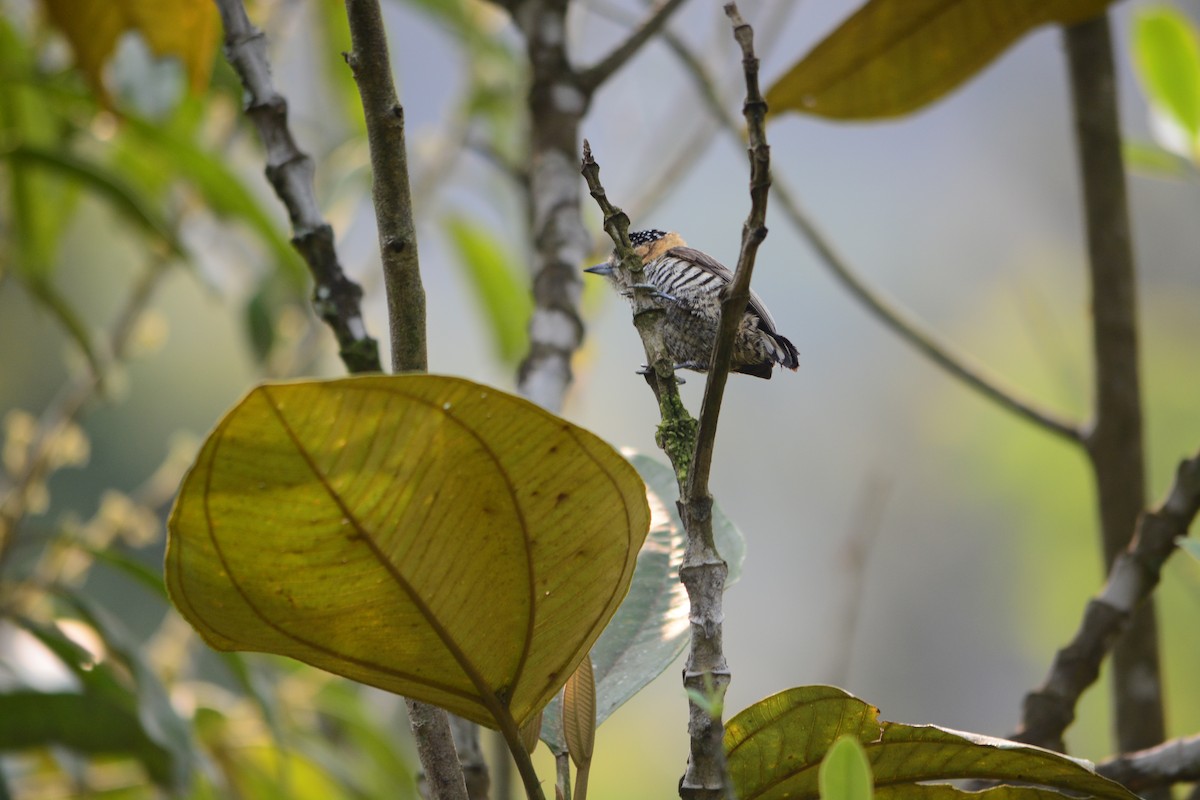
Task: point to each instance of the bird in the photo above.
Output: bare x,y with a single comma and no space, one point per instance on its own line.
689,286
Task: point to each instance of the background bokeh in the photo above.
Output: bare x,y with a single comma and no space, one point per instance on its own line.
984,542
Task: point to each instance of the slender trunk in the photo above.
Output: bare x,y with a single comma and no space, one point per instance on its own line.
1114,444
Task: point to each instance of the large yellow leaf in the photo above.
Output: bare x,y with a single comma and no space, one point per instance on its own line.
894,56
427,535
186,29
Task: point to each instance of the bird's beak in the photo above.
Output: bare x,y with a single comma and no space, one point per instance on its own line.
601,269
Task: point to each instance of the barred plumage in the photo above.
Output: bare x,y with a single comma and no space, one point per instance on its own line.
688,283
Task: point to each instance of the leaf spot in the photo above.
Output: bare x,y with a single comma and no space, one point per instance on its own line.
562,497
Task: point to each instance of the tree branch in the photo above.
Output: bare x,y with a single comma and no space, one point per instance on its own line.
393,202
591,78
336,298
703,571
560,239
1049,709
1175,761
435,747
676,435
1114,443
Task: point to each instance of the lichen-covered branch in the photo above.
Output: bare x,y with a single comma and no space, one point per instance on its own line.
677,430
1050,709
557,104
336,298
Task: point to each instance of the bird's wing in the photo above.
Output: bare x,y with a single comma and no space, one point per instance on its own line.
707,262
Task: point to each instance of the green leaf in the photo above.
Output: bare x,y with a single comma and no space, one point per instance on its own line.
650,629
106,183
225,193
1190,546
1167,57
41,201
427,535
499,284
158,717
89,724
106,692
121,562
365,744
845,773
1153,161
894,56
579,714
775,748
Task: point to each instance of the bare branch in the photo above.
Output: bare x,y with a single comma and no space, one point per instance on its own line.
703,571
389,188
336,298
435,747
754,231
591,78
1134,575
1174,761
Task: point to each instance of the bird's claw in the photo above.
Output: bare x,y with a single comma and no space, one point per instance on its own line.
648,370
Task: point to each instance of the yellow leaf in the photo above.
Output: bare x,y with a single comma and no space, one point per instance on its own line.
426,535
894,56
185,29
579,713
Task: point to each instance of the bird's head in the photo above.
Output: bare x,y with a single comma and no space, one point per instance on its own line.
649,245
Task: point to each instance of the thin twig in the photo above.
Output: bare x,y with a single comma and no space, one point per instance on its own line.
389,188
592,77
1050,709
913,332
677,431
336,298
856,552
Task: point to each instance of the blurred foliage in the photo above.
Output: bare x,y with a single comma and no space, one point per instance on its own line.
125,110
1166,54
184,29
